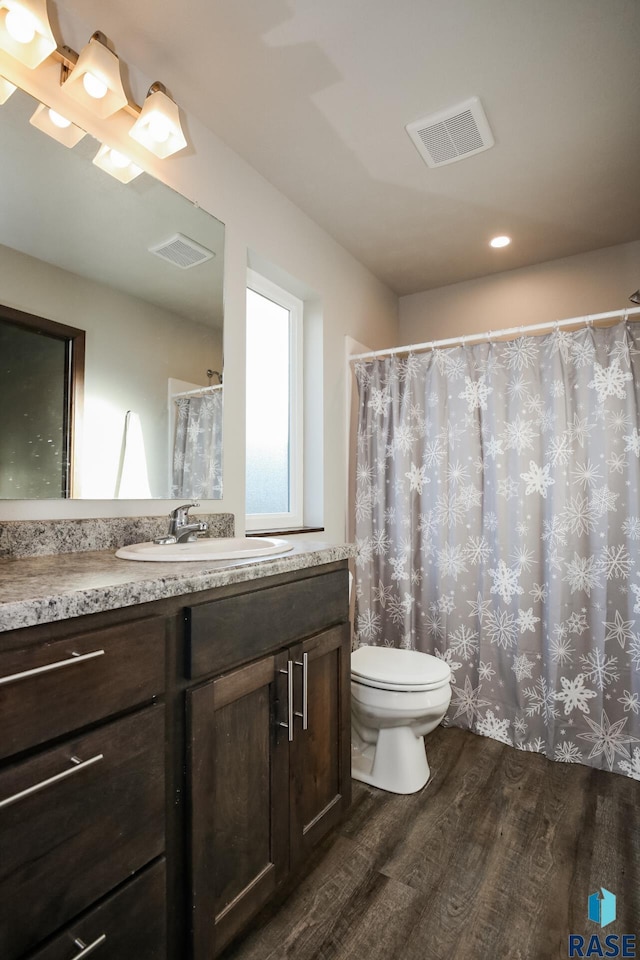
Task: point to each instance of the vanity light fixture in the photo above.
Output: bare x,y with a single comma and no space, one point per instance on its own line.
6,89
92,78
117,164
95,80
25,31
55,125
500,242
158,127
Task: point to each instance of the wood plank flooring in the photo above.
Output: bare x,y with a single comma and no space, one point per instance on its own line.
494,860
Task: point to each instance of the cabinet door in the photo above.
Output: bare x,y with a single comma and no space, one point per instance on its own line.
321,754
238,781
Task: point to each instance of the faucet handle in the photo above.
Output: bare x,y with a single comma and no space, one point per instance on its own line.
181,513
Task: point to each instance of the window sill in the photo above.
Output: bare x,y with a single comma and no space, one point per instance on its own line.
283,533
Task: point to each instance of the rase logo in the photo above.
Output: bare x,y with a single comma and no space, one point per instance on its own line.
601,909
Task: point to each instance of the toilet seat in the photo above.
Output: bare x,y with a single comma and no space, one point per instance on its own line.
389,668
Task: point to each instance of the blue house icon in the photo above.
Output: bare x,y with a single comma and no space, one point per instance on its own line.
602,907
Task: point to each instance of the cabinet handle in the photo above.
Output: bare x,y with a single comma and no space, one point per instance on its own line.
74,658
85,949
78,765
289,723
304,663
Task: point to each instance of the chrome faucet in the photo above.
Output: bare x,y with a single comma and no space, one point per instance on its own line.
180,530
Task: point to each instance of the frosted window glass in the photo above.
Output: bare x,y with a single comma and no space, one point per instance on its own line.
34,400
267,405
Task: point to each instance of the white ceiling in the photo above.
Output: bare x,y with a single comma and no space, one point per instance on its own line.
315,94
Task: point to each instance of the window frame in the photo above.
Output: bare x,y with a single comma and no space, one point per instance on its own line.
293,518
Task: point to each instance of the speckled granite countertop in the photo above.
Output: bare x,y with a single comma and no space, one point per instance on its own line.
43,589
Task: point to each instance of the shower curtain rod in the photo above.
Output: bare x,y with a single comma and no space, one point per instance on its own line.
490,334
199,391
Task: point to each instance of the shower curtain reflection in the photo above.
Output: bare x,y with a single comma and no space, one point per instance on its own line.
197,451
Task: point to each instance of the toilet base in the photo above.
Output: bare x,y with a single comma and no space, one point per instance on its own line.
397,762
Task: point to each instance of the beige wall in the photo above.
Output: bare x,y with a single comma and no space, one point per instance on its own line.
260,219
593,282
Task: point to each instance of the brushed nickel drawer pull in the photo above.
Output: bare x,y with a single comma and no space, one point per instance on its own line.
304,663
86,950
78,765
289,723
74,658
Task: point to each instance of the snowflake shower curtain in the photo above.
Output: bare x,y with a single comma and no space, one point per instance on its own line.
197,450
498,528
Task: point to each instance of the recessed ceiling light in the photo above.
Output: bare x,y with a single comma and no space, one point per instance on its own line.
500,241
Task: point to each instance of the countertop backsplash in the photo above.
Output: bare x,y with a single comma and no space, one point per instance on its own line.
41,538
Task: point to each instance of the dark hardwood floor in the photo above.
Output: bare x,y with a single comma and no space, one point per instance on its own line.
493,860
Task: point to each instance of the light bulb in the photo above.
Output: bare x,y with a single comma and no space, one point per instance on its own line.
119,160
95,87
58,120
159,127
500,241
20,25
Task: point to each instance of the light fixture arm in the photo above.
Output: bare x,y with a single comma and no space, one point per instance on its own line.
103,39
157,87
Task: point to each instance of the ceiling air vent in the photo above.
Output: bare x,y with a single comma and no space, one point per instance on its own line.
453,134
182,252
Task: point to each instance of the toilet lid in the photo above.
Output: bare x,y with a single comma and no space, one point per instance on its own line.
394,669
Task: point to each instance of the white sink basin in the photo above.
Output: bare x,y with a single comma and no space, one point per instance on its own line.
206,548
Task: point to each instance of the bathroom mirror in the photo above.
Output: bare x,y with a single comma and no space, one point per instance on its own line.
136,268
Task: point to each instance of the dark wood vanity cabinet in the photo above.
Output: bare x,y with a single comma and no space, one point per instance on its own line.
165,768
268,760
82,788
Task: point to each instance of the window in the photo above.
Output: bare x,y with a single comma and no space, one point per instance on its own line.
274,406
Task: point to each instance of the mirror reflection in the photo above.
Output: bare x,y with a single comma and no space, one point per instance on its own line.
136,271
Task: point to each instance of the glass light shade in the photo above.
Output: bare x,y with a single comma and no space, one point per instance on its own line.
58,120
158,127
6,89
25,32
117,164
94,86
68,134
97,66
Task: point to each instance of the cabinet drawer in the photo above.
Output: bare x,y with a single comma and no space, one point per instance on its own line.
224,633
130,925
75,821
52,689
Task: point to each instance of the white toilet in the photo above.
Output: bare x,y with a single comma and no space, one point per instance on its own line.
397,696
